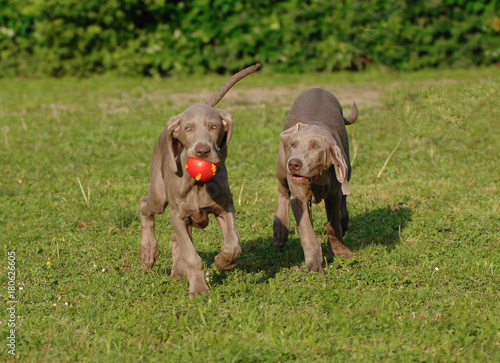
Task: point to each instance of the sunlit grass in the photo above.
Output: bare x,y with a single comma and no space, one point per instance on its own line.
424,286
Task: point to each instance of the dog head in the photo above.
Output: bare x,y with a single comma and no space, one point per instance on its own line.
202,131
311,150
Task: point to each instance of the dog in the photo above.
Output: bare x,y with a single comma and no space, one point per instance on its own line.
201,132
313,165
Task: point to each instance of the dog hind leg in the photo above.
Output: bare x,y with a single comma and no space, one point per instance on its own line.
149,245
344,215
281,224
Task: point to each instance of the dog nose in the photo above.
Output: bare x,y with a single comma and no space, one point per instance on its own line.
202,151
294,164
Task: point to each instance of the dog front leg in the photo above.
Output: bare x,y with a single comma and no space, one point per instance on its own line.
334,228
231,249
310,244
281,224
190,261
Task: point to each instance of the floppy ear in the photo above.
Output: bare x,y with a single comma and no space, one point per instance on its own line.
335,156
285,135
173,144
227,125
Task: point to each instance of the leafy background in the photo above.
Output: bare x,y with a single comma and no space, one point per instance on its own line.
133,37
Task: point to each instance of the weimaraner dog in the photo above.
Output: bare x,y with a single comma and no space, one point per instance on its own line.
200,132
313,164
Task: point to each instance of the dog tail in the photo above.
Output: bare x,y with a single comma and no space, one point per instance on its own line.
217,96
354,115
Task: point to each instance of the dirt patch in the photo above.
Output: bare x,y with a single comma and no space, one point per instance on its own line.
278,96
366,95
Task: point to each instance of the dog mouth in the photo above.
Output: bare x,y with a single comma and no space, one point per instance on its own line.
299,179
211,157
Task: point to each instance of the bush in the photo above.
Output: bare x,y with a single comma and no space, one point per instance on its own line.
59,37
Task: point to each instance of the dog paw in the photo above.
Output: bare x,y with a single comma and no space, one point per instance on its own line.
345,228
313,268
147,257
177,273
339,249
344,223
347,254
146,265
201,290
280,233
223,264
226,259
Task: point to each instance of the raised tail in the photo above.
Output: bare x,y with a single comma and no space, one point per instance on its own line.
354,115
217,96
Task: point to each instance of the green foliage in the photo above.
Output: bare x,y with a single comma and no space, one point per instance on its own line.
58,37
424,286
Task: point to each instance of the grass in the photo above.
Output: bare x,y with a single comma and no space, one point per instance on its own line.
424,286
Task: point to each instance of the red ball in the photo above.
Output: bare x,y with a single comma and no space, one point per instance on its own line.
201,170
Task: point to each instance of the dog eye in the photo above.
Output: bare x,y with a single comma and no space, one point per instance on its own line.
187,128
315,146
213,126
293,145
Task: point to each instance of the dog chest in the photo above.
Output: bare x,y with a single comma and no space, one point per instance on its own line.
199,202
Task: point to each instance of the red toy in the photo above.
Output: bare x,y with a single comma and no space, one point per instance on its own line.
201,170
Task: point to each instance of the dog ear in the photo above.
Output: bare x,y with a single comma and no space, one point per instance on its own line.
173,144
227,125
336,156
285,135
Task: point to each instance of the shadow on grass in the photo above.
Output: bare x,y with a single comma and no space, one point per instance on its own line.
380,226
125,218
260,256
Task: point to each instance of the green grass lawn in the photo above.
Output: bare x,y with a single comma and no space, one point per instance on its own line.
425,282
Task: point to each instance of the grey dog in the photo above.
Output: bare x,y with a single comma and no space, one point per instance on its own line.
201,132
313,164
